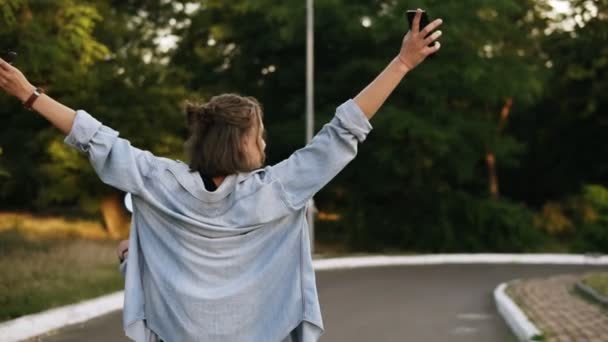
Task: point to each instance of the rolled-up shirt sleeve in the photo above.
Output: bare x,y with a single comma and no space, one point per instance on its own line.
310,168
115,161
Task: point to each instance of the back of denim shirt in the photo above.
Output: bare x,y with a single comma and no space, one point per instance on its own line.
228,265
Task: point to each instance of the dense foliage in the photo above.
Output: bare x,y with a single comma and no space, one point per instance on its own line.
495,144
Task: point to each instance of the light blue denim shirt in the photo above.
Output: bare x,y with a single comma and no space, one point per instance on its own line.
229,265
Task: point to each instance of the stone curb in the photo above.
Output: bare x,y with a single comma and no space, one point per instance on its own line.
515,318
37,324
591,293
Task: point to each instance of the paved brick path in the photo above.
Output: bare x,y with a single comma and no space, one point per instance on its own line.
558,311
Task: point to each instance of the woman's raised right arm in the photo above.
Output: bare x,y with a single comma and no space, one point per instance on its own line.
309,169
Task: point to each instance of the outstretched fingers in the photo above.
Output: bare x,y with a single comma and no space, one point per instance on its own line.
4,66
431,27
416,22
432,49
3,79
4,74
433,37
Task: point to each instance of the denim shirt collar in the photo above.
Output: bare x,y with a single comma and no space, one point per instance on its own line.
192,182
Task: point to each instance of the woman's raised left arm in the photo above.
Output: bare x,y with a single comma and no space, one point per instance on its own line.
14,83
115,161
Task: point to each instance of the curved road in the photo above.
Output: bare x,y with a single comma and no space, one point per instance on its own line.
396,303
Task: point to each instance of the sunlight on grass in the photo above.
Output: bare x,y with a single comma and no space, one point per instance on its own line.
34,227
39,275
49,261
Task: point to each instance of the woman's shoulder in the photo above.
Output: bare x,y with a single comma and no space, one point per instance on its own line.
166,166
261,175
168,163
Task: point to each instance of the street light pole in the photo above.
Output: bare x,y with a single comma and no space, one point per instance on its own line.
310,214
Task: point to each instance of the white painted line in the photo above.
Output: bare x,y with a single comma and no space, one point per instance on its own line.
37,324
519,323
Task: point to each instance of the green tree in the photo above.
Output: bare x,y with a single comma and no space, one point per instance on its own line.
506,113
424,165
565,129
430,140
101,57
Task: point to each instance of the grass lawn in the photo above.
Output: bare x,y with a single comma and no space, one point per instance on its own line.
598,282
40,271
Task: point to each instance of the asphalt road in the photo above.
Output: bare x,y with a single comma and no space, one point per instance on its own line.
403,303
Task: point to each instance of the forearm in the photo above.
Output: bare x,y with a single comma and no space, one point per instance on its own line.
14,83
58,114
375,94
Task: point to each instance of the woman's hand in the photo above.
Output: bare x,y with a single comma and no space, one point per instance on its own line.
415,47
13,82
122,251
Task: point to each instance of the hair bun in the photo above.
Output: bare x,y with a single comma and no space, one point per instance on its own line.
207,113
225,110
201,114
192,113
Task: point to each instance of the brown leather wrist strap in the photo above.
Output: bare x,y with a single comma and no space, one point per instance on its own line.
30,101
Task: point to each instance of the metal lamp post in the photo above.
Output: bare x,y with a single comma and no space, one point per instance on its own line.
310,214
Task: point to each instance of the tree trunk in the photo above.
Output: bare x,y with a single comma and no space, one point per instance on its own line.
492,176
115,220
504,114
490,157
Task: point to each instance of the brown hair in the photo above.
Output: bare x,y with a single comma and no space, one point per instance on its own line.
217,132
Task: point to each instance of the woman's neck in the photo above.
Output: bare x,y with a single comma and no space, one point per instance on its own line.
218,180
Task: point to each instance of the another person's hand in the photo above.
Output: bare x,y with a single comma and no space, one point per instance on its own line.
122,251
13,82
415,47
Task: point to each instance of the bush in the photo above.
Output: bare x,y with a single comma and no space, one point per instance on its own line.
490,225
581,221
592,219
456,223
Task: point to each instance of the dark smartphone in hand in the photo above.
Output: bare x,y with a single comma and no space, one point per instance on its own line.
9,56
424,19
